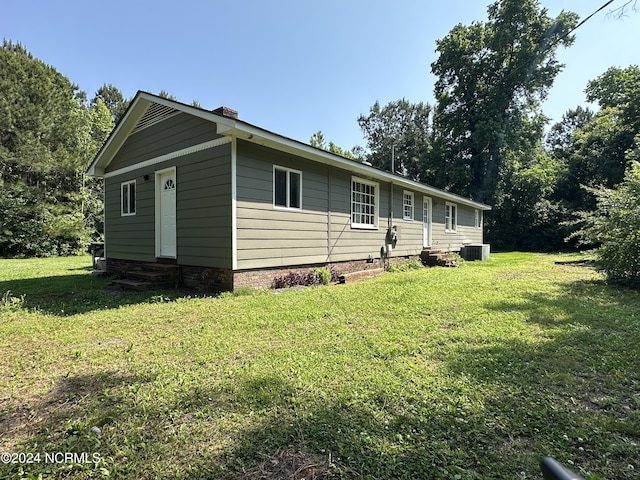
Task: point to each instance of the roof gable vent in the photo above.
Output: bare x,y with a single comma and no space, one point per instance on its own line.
156,113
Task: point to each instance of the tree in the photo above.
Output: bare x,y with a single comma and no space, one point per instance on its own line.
598,152
47,136
559,141
492,78
317,140
401,129
114,101
167,95
615,225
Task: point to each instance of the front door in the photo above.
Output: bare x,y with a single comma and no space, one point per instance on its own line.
426,222
167,214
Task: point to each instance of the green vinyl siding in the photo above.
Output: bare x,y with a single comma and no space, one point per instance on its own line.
321,230
175,133
466,232
270,236
130,237
203,211
204,208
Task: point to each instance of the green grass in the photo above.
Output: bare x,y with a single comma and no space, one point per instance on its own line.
468,373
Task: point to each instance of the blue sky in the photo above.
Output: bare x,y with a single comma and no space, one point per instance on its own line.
290,66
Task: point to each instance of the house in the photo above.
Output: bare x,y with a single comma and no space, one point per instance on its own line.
228,204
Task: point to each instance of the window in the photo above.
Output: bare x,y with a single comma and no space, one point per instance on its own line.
450,217
407,205
364,204
287,188
477,222
128,198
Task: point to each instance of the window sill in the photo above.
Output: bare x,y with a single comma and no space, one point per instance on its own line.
287,209
357,226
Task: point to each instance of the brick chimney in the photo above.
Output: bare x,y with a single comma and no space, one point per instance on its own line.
226,112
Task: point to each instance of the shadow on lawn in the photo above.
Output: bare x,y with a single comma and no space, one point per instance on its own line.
65,295
570,395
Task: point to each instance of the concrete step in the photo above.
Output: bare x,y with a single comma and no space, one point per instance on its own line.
138,285
361,275
150,276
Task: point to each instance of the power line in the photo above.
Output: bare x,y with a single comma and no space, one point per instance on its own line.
584,21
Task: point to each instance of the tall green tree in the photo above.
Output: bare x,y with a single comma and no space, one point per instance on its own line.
317,140
615,226
113,99
492,78
598,153
400,129
559,141
47,136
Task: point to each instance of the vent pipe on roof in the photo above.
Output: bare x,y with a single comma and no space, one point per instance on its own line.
226,112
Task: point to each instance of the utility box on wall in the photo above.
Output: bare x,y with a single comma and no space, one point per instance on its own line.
476,252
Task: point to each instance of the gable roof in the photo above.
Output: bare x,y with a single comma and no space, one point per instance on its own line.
146,109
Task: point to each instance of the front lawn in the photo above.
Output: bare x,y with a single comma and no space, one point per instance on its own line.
468,373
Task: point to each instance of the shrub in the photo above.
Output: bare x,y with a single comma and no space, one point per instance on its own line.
615,225
11,302
320,276
414,265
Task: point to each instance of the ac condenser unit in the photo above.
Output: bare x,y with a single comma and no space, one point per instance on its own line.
475,252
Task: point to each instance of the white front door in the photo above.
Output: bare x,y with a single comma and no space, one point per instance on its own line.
167,215
426,222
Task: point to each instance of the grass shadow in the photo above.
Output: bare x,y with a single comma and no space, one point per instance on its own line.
65,295
496,405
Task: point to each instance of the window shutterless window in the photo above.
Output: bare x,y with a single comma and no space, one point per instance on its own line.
450,217
128,198
407,205
364,204
478,218
287,188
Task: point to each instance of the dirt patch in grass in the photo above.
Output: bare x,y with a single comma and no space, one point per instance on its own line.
291,464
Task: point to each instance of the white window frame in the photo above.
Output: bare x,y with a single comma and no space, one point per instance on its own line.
129,185
407,205
478,218
357,204
289,172
450,217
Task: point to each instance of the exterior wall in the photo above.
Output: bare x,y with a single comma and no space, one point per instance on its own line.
174,133
466,232
203,207
275,237
320,232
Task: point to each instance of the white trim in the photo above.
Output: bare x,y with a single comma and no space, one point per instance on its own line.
477,218
376,205
158,187
231,127
129,213
234,206
453,208
263,137
170,156
287,206
427,227
413,208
